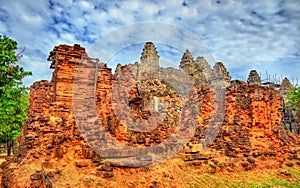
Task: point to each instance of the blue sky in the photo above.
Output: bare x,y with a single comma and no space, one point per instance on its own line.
244,35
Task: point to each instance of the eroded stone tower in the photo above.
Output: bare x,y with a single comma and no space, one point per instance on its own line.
192,68
204,66
286,86
149,59
254,78
64,59
220,75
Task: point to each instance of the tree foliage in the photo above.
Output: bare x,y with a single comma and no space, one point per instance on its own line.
294,97
13,94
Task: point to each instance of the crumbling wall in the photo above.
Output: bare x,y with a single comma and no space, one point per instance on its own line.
49,133
251,135
64,60
51,141
147,88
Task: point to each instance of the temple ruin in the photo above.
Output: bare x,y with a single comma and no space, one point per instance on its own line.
251,135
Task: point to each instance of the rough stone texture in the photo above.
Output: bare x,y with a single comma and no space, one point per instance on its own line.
49,133
220,76
149,59
52,143
251,132
140,105
194,69
285,87
204,66
254,78
118,69
64,60
290,119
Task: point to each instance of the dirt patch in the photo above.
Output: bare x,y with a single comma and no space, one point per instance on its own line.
2,158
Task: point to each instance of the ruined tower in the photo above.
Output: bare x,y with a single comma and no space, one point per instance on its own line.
220,76
186,59
285,88
191,68
64,59
204,66
149,59
149,52
254,78
70,64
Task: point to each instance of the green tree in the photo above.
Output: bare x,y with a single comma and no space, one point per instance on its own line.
13,94
294,98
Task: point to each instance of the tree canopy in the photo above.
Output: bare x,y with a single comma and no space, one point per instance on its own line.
13,93
294,97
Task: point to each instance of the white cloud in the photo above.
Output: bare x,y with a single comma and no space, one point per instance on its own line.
242,34
85,5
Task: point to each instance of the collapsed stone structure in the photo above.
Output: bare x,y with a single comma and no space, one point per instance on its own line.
250,135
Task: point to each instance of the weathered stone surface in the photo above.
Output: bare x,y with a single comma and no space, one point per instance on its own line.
251,126
51,139
285,87
194,69
149,60
204,66
220,76
50,131
291,116
254,78
82,163
193,148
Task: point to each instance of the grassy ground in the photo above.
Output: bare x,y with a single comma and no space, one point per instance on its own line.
285,177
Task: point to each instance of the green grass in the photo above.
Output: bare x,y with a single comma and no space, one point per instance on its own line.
254,179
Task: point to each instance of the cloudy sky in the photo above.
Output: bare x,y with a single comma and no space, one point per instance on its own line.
244,35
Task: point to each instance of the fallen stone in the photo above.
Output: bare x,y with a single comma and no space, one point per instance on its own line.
82,163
